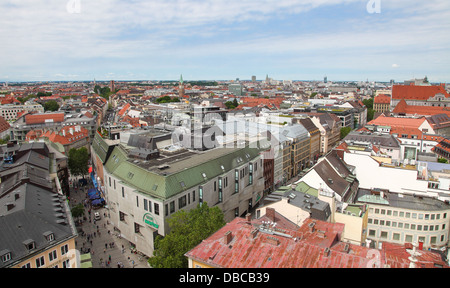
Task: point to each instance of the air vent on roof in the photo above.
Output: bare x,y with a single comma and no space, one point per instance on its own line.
163,167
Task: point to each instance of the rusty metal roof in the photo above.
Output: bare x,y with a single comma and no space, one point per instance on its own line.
316,244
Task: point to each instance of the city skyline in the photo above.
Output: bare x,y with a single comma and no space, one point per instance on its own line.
217,40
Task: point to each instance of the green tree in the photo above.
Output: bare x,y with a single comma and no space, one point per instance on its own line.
229,105
345,131
187,230
78,161
78,211
368,103
51,105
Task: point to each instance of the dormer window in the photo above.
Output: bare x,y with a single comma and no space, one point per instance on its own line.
5,256
49,236
29,244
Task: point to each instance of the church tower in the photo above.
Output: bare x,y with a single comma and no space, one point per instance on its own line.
181,88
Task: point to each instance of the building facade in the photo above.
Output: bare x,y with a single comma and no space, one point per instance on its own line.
401,218
142,196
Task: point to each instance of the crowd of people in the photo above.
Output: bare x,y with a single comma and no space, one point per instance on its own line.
96,233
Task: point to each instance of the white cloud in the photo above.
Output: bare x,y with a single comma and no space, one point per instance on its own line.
43,36
395,66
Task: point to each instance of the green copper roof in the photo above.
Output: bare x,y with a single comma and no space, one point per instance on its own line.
181,175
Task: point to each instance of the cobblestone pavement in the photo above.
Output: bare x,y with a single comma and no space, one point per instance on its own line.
107,249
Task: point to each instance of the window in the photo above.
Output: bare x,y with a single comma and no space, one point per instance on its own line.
408,238
156,208
121,216
49,236
145,205
396,236
172,207
137,201
40,262
200,195
6,257
250,177
136,228
66,263
220,190
30,244
64,249
123,192
52,255
182,202
236,181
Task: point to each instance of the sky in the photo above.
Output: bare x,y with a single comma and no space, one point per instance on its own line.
345,40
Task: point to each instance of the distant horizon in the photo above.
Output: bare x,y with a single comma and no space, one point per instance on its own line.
81,40
210,80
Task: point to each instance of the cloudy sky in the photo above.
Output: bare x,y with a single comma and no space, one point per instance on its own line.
224,39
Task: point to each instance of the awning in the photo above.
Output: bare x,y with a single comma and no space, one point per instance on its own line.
100,201
86,265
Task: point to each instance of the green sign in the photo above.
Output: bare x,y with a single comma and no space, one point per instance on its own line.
149,220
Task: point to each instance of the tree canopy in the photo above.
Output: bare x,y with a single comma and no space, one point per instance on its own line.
78,161
51,105
187,230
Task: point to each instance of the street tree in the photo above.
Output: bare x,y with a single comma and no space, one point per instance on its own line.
78,161
187,230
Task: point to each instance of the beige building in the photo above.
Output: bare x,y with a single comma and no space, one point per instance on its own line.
143,194
301,202
402,218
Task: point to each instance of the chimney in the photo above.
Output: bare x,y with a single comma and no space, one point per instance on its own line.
311,226
270,213
273,241
254,233
227,238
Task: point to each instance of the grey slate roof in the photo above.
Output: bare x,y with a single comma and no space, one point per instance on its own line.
35,212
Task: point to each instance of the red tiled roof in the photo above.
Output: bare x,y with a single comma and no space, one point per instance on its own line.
43,118
4,125
68,138
382,99
403,108
306,247
414,92
124,109
400,122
